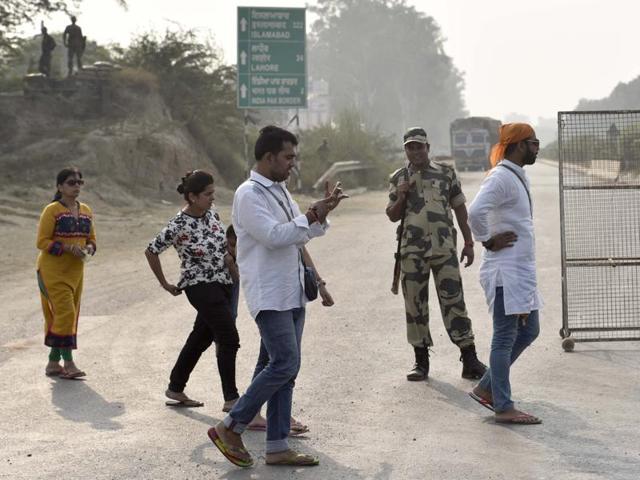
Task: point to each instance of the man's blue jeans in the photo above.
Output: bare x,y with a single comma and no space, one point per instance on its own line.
510,338
281,334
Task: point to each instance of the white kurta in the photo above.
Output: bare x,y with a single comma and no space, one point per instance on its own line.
502,205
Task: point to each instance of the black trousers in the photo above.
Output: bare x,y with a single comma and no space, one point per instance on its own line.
214,323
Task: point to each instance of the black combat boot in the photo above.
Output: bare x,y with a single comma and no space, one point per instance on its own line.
420,370
472,368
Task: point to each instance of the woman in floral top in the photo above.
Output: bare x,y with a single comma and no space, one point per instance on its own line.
198,236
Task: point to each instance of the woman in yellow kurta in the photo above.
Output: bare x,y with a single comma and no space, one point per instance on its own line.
66,237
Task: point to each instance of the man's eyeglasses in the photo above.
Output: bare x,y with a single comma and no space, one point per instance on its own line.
535,142
73,183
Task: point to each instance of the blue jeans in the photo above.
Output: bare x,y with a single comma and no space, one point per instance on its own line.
235,293
510,338
263,360
281,334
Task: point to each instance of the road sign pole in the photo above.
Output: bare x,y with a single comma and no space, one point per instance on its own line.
245,139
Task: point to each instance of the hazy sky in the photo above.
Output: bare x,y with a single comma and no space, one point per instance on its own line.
533,58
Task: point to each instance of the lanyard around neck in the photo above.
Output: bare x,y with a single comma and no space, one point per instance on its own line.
289,216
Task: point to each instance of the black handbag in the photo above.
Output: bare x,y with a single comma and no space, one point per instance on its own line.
310,281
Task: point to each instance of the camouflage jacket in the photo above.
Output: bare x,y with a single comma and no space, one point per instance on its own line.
428,225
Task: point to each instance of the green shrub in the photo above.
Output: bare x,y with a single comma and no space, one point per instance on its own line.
136,79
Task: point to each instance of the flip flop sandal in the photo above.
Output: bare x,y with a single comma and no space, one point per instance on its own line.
298,429
186,404
233,454
295,431
482,401
73,375
180,399
522,419
296,459
226,408
54,373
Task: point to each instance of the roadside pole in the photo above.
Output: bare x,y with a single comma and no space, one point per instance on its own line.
245,139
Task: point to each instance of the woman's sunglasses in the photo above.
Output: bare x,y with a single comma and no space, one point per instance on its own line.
73,183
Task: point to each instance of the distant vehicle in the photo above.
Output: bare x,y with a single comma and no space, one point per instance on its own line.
471,142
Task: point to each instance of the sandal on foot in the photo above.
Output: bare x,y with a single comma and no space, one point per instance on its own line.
520,419
228,405
54,372
482,401
72,375
180,399
236,455
295,459
297,429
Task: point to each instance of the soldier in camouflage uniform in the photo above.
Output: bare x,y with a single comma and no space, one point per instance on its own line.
424,193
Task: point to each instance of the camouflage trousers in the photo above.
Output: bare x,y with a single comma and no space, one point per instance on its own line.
415,289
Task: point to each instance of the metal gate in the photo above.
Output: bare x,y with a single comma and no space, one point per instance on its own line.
599,156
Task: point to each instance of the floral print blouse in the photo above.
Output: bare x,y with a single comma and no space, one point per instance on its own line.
201,245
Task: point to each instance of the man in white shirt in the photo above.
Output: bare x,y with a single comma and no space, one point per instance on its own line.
501,217
271,233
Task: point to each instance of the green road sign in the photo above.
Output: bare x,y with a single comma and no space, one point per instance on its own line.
272,58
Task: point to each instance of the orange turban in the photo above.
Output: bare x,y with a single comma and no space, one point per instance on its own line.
509,133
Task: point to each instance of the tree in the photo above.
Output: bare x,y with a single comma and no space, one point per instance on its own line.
386,60
625,96
15,13
199,90
347,140
26,52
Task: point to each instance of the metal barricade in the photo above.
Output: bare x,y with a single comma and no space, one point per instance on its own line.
599,155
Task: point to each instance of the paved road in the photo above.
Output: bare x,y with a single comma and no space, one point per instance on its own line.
366,420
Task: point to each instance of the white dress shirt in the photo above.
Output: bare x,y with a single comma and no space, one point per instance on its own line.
271,273
502,205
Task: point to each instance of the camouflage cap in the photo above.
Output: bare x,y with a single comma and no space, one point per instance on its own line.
415,134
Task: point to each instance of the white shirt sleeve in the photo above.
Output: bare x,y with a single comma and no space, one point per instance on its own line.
258,220
492,193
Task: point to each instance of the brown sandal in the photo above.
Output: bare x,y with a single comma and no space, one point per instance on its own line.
520,419
295,459
54,372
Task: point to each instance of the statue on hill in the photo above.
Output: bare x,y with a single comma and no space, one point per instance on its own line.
75,43
48,44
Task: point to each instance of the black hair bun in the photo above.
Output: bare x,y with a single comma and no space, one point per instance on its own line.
180,189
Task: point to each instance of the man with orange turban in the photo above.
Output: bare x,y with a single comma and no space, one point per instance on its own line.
501,217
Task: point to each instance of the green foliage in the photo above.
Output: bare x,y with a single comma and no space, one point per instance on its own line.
348,140
25,55
199,90
386,60
625,96
136,79
16,13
